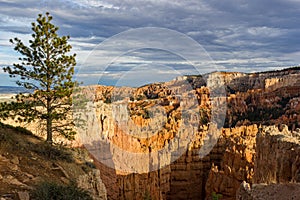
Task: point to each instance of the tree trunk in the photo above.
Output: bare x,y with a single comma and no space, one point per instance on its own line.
49,130
49,120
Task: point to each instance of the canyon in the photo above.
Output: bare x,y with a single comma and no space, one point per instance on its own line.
198,135
224,134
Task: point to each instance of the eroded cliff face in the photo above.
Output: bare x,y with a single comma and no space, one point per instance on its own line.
190,177
92,182
179,116
153,117
276,166
146,122
260,98
264,98
277,157
237,162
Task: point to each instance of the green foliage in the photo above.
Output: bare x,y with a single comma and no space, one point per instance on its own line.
53,152
216,196
54,191
46,68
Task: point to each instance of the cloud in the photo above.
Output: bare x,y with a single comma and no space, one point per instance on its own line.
249,35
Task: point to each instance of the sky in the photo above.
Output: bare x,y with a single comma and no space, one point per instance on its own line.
131,42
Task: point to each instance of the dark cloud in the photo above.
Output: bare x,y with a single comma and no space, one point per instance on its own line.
235,33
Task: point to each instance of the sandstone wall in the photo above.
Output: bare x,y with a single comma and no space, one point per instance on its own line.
237,162
92,183
277,156
276,166
190,177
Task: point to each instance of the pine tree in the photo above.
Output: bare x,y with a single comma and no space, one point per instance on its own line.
46,68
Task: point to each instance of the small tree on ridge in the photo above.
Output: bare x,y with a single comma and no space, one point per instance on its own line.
47,69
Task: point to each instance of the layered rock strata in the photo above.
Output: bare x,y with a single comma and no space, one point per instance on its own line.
180,116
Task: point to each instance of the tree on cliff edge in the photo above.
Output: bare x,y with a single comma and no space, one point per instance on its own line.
47,69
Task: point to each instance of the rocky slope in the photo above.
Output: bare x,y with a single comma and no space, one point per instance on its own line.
286,191
26,161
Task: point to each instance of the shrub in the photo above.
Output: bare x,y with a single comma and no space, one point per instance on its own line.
53,152
216,196
54,191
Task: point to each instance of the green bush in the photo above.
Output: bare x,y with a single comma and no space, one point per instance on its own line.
54,191
53,152
216,196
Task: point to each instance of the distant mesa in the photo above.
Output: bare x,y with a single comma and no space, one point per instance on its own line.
12,90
